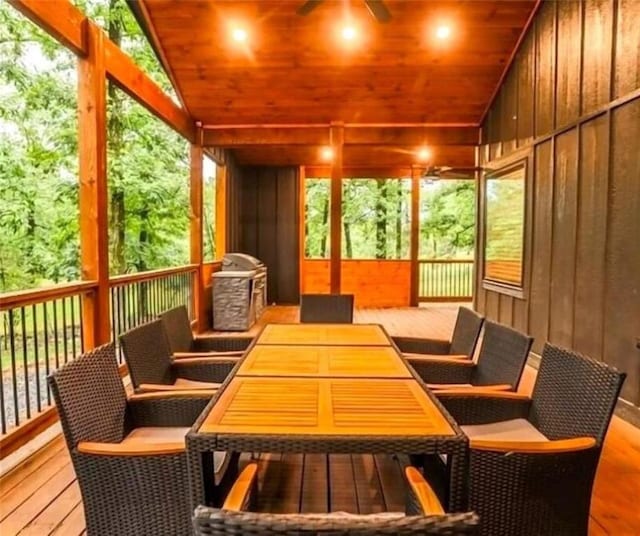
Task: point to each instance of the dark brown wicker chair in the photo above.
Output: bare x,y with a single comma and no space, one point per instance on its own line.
234,518
129,454
501,360
182,341
326,308
533,461
152,367
463,340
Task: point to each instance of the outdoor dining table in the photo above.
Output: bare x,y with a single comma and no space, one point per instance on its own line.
332,389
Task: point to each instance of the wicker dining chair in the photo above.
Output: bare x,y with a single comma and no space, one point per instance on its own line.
533,461
462,344
152,367
183,343
129,453
326,308
426,516
501,360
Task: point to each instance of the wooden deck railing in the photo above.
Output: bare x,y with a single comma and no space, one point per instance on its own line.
43,328
445,279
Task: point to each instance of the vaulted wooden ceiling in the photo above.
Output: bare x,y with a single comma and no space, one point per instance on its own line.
296,70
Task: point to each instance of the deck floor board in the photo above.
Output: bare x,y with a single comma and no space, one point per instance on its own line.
41,497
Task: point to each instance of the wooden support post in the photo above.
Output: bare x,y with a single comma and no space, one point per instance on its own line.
196,257
416,173
221,211
302,237
337,143
94,223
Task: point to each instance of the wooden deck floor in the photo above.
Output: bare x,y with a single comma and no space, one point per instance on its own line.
41,496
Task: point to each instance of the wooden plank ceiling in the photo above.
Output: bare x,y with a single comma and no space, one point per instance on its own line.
409,86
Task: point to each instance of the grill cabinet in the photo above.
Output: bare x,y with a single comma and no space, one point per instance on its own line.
239,292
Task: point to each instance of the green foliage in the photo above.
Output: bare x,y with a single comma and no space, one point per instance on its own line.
376,218
505,220
447,219
148,163
209,209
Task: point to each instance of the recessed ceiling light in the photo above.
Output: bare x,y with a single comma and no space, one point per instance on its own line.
239,34
424,154
443,31
326,153
349,33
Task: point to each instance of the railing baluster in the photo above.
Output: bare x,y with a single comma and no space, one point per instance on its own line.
36,353
12,345
25,364
65,336
47,364
56,342
3,415
80,298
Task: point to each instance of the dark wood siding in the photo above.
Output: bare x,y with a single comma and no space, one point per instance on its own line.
268,226
579,119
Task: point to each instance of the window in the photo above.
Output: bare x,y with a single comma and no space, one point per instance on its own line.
504,225
316,222
209,208
376,218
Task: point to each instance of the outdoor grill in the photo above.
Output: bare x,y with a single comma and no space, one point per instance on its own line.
239,292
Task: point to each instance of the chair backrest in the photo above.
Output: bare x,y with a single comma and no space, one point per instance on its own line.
502,357
147,353
466,332
574,395
326,308
178,329
208,521
90,397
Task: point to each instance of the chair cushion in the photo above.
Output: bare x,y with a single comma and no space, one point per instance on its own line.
157,434
182,383
512,430
176,434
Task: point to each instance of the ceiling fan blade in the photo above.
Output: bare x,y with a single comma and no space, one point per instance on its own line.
308,7
379,10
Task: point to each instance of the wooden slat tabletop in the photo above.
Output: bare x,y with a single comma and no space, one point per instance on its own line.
330,361
324,334
325,406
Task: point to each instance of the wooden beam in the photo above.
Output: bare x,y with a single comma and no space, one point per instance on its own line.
94,224
360,172
337,143
416,173
59,18
316,135
196,242
221,211
123,71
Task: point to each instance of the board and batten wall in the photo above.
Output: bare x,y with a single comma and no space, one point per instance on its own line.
570,103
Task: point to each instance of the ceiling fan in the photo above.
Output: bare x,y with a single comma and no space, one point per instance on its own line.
376,7
434,173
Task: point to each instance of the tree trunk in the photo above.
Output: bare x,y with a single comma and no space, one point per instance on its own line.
307,249
400,198
347,239
381,220
115,130
325,221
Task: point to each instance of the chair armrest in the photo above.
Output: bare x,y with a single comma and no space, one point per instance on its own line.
204,369
202,359
221,355
466,387
240,494
178,408
422,346
177,393
205,343
448,360
130,448
163,388
425,496
557,446
417,357
473,406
